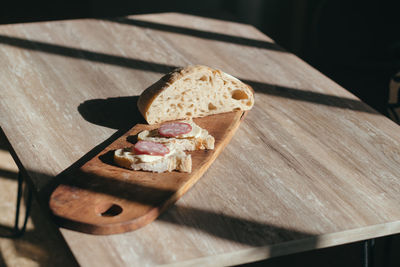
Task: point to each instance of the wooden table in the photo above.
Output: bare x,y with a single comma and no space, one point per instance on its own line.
310,167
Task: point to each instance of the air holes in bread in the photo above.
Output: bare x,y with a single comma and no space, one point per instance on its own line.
203,78
239,95
194,91
211,106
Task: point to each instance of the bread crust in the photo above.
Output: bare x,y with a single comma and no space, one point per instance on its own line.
148,95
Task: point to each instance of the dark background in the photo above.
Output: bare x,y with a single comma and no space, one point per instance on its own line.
356,43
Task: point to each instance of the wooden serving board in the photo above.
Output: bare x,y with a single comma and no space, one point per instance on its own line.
102,198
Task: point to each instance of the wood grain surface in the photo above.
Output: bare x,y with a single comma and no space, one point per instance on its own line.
311,166
103,198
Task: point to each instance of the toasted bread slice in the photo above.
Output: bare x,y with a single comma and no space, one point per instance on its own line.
194,91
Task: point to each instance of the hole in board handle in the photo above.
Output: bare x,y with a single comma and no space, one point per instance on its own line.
108,210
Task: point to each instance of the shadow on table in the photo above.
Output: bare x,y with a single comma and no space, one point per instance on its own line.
224,226
310,97
228,227
84,54
222,37
116,112
261,87
242,231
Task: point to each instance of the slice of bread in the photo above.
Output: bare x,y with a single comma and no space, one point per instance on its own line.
194,91
175,160
201,140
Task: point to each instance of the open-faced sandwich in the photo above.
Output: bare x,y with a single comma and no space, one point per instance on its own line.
185,135
186,93
154,157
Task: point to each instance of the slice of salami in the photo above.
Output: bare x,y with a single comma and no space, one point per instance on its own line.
173,129
150,148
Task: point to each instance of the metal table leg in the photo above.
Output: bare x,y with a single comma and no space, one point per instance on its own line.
20,231
368,253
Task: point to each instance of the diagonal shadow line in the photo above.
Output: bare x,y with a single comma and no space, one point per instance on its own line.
224,226
227,227
62,178
311,97
199,33
8,174
232,228
108,185
285,92
85,54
